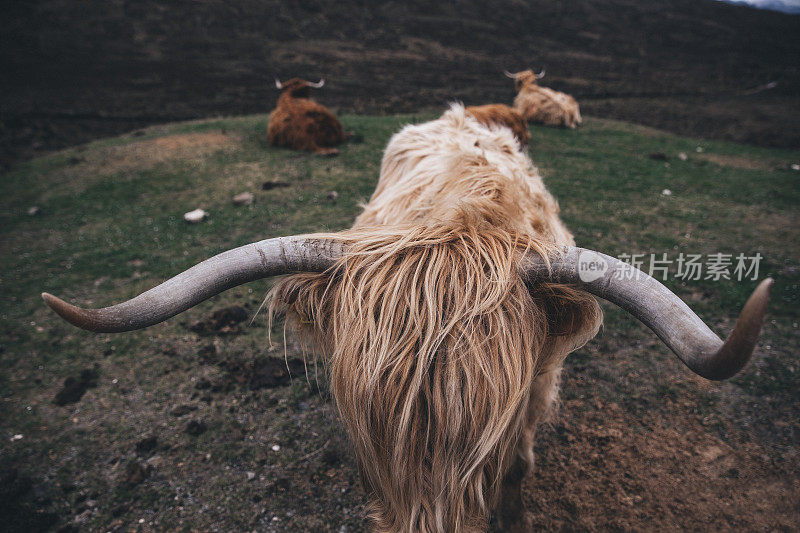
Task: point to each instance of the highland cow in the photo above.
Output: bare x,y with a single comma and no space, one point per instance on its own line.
444,316
542,105
500,115
300,123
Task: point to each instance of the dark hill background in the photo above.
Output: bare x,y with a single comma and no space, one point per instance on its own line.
73,71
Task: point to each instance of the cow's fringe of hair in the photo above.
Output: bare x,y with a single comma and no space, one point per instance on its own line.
433,342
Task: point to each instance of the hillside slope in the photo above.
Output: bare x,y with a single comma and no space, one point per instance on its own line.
74,72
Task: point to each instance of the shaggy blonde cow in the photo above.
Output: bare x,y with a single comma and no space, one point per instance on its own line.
444,316
300,123
541,104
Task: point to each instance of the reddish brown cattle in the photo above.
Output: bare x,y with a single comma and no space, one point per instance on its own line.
502,115
300,123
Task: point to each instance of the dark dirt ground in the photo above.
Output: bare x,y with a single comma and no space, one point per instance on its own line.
74,72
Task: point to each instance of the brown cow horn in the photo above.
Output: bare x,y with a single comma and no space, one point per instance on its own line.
317,85
659,309
271,257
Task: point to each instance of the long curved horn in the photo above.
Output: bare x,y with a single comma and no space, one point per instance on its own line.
278,83
541,74
599,274
659,309
317,85
510,75
271,257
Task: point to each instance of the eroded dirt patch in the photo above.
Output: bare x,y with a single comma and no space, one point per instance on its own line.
670,467
149,153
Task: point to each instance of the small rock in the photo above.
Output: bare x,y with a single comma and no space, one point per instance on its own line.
276,448
666,192
332,196
193,217
251,476
682,156
16,437
82,518
245,198
795,166
699,149
34,210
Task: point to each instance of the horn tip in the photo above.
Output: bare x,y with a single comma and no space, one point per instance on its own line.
64,310
52,301
76,316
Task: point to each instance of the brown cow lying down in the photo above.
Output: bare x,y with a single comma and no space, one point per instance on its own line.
543,105
502,115
300,123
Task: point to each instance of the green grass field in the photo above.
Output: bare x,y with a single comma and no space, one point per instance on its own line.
110,226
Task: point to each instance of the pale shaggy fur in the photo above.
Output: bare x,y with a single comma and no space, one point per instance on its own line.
543,105
441,360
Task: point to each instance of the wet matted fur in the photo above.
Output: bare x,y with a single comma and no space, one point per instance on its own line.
442,362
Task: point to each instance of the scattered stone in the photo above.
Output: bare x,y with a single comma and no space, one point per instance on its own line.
269,185
196,427
666,192
245,198
193,217
82,518
276,448
699,149
16,437
795,166
34,210
74,388
183,410
251,476
332,196
683,156
146,445
659,156
221,322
